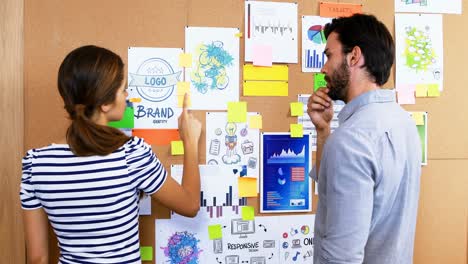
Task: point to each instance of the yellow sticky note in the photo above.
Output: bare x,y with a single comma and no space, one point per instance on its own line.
177,147
248,213
297,109
146,253
135,100
238,35
418,118
183,88
247,187
256,122
215,232
265,88
237,112
421,90
180,101
185,60
274,73
433,90
296,130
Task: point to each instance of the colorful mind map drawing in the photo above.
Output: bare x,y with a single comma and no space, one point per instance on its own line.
419,52
210,68
182,248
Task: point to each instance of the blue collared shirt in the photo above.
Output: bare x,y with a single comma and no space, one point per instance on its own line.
368,184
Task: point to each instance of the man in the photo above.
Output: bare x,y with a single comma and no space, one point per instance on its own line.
369,168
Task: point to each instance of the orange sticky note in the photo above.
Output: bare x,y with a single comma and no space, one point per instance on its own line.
183,88
247,186
296,130
237,112
297,109
256,122
339,9
157,137
185,60
421,90
177,147
433,90
135,100
180,100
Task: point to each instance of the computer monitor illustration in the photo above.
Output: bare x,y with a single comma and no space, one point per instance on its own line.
242,227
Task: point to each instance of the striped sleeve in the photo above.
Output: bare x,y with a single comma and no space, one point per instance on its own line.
28,197
145,169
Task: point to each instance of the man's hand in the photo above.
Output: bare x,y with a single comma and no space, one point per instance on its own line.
320,109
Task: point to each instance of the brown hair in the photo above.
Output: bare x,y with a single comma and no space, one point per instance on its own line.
88,78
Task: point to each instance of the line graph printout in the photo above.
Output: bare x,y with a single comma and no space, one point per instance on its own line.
273,24
313,43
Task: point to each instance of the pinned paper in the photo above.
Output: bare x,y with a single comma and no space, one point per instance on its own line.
262,55
180,100
237,112
126,121
247,187
418,118
339,9
135,100
177,147
146,253
421,90
185,60
433,90
274,73
296,130
319,81
406,97
238,35
158,137
215,232
297,109
263,88
183,88
256,122
248,213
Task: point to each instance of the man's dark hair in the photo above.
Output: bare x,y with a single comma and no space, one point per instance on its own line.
372,37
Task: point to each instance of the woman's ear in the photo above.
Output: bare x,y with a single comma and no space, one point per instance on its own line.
105,108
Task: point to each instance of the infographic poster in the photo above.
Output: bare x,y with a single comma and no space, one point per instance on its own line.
286,162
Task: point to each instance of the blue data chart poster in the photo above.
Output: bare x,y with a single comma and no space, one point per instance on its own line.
285,184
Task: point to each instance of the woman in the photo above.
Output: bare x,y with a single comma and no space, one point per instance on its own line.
87,185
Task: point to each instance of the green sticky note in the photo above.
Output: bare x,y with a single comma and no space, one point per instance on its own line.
296,130
146,253
177,147
297,109
126,121
248,213
215,232
433,90
319,81
237,112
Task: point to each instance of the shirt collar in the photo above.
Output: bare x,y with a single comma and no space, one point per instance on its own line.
374,96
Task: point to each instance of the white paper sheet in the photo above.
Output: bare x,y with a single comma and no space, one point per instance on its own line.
429,6
271,23
276,239
419,50
232,143
214,74
153,74
313,43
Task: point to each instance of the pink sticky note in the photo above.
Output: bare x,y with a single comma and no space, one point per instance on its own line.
262,55
406,97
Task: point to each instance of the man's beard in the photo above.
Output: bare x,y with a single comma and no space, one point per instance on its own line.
338,85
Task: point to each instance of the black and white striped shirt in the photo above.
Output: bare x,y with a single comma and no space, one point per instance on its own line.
92,202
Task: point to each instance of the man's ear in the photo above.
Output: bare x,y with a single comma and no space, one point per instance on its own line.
356,57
